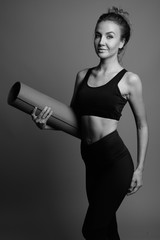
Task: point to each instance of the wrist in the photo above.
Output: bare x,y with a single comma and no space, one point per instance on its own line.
140,169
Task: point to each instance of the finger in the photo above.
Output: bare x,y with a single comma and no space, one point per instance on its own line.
33,114
132,186
40,123
40,120
42,112
133,183
131,192
49,115
135,189
34,110
46,113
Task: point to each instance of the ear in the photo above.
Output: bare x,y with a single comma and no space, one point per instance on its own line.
122,43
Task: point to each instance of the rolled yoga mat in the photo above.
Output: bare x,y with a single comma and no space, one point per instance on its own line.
26,99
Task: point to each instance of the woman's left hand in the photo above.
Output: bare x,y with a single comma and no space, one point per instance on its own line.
136,182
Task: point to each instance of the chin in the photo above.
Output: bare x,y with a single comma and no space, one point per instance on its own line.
105,56
102,55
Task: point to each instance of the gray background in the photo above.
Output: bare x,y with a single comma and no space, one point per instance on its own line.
42,176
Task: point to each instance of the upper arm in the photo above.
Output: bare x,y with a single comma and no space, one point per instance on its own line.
79,78
135,99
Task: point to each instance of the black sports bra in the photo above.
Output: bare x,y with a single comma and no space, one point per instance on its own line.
103,101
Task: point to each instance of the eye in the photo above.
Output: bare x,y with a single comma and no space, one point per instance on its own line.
97,35
109,36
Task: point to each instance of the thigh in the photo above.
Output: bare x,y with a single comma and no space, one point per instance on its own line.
109,171
106,190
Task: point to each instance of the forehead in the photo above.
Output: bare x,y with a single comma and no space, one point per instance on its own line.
108,26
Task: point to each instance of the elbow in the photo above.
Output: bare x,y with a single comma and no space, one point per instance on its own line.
142,125
143,130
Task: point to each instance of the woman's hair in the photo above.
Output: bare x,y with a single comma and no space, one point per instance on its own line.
118,16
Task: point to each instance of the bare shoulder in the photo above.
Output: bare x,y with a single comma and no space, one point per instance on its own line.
80,76
133,81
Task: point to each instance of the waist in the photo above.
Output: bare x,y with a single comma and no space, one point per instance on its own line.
107,151
110,147
94,128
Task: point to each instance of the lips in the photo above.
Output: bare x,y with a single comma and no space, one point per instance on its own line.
102,49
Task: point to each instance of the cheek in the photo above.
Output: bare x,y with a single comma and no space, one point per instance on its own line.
96,41
114,44
96,44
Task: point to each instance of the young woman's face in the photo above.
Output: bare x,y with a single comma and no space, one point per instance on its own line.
107,39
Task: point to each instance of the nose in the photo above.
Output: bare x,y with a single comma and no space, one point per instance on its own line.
102,40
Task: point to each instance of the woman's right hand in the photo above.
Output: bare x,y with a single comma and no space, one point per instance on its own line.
41,119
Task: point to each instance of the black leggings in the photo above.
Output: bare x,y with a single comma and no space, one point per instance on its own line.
109,171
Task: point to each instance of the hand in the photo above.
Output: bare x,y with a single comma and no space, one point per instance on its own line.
136,182
41,119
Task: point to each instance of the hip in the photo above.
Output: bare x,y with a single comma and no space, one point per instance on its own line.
108,149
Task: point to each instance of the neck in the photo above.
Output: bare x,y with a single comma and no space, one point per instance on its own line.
109,64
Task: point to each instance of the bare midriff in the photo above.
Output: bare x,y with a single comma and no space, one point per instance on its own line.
94,128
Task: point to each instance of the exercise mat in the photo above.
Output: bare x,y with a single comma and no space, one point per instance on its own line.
26,99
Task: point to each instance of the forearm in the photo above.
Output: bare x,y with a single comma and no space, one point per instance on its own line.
142,143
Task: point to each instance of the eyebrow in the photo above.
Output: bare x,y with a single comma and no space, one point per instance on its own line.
107,32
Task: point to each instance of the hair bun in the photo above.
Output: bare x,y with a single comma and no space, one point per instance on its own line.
119,11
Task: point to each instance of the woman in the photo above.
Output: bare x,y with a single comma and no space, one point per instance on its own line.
99,96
